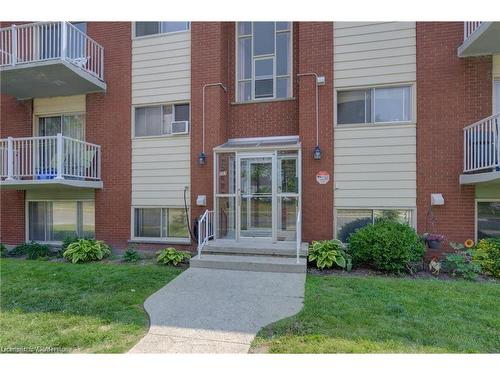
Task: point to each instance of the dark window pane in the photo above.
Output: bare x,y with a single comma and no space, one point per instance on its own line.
283,87
353,107
244,58
283,63
263,38
244,91
147,222
283,26
244,28
170,27
488,220
146,28
263,68
49,126
182,112
37,219
264,88
350,220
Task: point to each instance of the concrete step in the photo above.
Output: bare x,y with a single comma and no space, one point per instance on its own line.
249,263
217,248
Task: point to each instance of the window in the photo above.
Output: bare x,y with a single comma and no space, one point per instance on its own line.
157,120
374,105
350,220
69,125
151,28
264,60
496,106
56,220
160,223
488,220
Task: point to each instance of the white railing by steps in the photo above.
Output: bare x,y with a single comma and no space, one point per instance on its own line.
298,229
482,145
205,230
43,41
51,157
470,27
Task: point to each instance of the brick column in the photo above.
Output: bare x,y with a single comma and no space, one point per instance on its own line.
209,64
452,93
316,55
108,123
15,121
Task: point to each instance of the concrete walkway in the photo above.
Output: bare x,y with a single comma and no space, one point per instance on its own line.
218,311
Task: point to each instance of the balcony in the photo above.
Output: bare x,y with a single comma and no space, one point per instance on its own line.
482,152
480,38
49,59
57,161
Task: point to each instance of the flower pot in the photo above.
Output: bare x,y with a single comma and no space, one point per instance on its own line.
434,244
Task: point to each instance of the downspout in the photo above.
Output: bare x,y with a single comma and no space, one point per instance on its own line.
316,80
202,154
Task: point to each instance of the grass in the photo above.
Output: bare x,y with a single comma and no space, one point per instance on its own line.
92,307
381,314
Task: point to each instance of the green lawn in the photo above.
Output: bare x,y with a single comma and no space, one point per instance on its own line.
381,314
79,308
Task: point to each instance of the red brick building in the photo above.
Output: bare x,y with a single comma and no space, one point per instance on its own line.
285,131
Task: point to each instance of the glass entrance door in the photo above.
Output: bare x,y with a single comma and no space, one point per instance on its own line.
256,198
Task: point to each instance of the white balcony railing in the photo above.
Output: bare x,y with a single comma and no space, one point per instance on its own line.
482,145
46,158
205,230
470,27
44,41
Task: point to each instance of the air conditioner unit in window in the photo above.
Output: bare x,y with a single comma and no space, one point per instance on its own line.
180,127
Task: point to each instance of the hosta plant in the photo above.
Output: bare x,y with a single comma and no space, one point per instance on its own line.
328,253
86,250
131,256
171,256
32,250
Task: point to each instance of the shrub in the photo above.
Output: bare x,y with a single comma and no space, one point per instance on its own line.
32,250
131,256
3,251
487,254
387,245
86,250
327,253
171,256
459,264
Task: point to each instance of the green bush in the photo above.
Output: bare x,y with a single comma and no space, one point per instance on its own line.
171,256
86,250
460,264
32,250
487,254
3,251
386,245
327,253
131,256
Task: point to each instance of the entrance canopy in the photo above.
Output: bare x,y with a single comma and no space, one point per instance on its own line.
260,143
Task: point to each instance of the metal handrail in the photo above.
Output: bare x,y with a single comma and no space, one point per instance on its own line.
298,229
43,41
205,230
482,144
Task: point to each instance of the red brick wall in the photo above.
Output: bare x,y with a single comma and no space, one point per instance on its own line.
108,123
209,64
15,121
452,92
316,56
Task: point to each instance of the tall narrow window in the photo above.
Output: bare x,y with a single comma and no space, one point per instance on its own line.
264,60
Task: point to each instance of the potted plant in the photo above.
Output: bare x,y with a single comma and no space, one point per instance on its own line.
434,240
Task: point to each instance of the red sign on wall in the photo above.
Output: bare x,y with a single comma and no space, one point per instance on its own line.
322,177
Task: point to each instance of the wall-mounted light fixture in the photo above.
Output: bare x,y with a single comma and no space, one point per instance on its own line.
319,81
202,159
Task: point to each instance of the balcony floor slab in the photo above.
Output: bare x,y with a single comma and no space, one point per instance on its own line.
43,184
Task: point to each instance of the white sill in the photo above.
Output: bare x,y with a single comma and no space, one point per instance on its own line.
375,125
172,241
255,101
161,136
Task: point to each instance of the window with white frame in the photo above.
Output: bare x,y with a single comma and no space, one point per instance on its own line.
70,125
160,223
488,219
159,119
349,220
56,220
152,28
264,60
374,105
